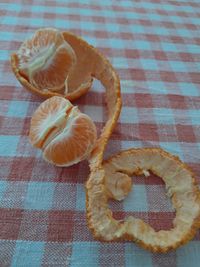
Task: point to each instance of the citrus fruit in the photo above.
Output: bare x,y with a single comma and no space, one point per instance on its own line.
46,59
65,135
78,63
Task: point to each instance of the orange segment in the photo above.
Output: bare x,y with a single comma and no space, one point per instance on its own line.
73,144
46,59
65,135
48,119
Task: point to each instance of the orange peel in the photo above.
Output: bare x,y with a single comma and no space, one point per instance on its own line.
181,188
111,178
107,180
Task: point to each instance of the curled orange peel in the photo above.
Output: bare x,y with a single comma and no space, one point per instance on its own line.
181,188
111,178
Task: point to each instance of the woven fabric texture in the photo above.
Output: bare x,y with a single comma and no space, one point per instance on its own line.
154,45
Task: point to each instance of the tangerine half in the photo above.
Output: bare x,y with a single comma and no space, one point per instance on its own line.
46,59
65,135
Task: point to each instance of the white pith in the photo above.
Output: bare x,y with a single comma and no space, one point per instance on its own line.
39,62
39,57
60,121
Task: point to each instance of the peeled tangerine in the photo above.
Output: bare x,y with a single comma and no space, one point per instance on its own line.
46,59
65,135
54,63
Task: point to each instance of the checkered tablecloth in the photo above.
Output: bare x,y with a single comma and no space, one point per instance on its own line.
155,47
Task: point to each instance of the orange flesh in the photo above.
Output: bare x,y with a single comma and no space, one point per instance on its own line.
72,144
64,134
56,71
46,59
